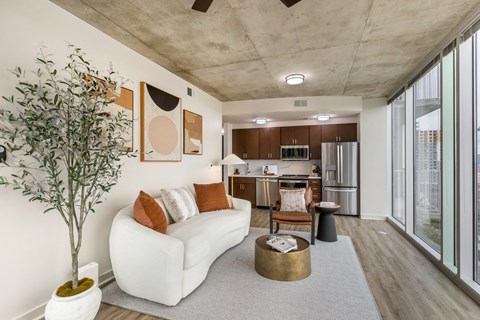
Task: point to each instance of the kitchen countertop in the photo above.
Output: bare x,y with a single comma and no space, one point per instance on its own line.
265,176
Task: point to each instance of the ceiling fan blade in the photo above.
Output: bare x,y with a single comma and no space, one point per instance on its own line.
202,5
290,3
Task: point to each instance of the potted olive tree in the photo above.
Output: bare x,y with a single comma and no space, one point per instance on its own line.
65,147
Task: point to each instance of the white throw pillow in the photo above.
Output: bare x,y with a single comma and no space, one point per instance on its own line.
293,200
180,203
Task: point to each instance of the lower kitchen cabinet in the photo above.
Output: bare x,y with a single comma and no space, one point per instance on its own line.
316,185
243,188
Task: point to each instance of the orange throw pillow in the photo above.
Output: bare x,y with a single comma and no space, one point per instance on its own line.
148,212
211,196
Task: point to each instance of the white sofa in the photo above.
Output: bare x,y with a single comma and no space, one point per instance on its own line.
167,267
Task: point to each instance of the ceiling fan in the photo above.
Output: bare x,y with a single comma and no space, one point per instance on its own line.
203,5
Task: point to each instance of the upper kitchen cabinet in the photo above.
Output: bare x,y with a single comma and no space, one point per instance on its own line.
315,141
245,143
294,135
346,132
269,143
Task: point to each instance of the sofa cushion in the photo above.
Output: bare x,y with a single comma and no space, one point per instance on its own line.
180,203
148,212
211,197
201,233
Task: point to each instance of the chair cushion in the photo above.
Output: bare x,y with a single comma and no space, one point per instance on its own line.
293,200
180,203
211,196
149,213
292,217
308,194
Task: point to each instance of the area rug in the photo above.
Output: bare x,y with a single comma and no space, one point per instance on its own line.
336,289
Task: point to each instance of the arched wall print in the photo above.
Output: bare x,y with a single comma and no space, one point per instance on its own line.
160,125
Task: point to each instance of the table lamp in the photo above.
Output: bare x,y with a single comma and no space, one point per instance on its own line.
231,159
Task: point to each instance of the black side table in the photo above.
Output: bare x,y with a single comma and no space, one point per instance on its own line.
327,231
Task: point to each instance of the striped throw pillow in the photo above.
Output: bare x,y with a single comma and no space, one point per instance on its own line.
180,203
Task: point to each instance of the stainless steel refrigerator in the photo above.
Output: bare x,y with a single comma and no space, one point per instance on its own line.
340,175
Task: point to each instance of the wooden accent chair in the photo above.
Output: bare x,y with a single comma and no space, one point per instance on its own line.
293,218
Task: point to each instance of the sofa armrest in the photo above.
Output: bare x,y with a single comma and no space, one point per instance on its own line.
146,263
243,205
246,207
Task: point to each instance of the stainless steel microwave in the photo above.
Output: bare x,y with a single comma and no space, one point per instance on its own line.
295,152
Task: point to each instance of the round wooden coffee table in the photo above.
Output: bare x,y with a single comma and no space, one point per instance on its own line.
275,265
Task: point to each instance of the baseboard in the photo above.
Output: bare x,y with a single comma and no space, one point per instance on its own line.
105,278
366,216
38,312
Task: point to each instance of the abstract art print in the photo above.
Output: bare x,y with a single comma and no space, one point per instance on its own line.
160,116
192,133
123,103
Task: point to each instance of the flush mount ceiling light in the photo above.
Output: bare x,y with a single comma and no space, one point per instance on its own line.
261,121
323,117
294,79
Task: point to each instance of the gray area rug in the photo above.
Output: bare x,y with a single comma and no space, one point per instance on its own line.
336,289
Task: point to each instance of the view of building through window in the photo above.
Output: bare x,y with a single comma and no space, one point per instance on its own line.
427,160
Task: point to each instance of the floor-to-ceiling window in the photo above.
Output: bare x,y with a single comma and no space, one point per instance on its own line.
398,158
435,143
449,166
427,159
476,82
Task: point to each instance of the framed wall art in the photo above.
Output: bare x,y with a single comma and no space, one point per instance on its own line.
192,133
123,102
160,121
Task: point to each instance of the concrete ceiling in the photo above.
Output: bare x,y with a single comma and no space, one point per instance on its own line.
243,49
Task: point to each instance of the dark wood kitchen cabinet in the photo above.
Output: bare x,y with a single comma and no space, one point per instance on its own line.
294,135
316,185
345,132
244,188
315,133
269,143
246,143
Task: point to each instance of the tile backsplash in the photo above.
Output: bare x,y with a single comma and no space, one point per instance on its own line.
254,167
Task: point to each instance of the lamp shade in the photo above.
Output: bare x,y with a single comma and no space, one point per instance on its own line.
232,159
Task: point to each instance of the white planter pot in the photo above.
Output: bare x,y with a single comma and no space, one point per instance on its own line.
83,306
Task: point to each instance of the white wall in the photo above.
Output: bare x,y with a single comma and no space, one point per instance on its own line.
34,252
374,197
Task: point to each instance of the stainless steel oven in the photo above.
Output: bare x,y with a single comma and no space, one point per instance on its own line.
293,181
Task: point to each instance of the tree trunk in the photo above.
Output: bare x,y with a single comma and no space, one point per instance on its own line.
74,270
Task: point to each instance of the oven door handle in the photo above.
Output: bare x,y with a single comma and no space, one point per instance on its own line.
294,181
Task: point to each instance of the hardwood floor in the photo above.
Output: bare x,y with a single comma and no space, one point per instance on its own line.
405,284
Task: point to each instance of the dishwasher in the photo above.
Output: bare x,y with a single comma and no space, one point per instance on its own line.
267,191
